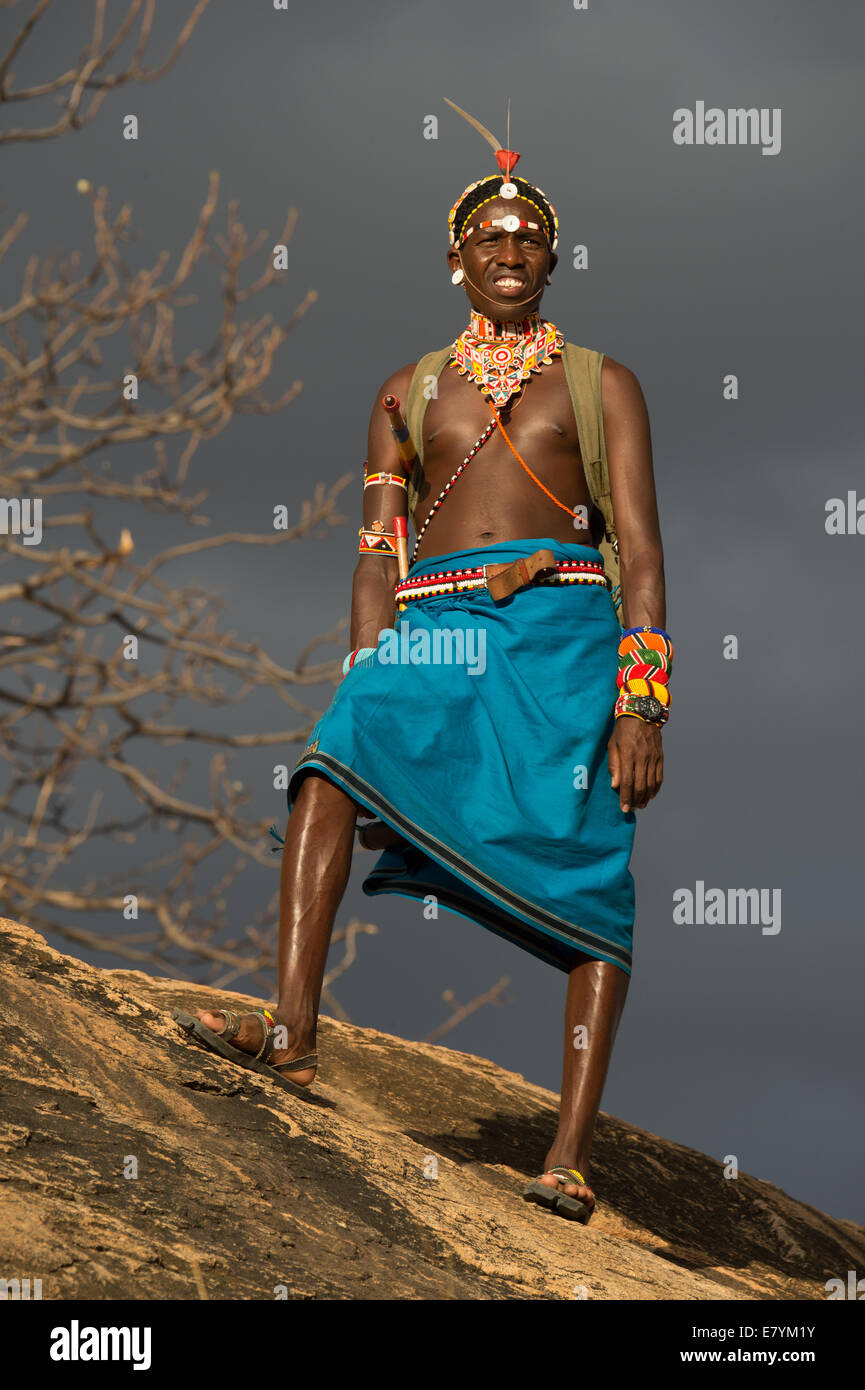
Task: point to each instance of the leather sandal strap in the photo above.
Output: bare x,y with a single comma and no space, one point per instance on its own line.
569,1174
233,1021
298,1063
268,1046
267,1034
232,1024
269,1026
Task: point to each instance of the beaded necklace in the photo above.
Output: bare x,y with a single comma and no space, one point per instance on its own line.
499,357
519,342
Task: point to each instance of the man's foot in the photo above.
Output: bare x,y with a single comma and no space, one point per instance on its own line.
581,1191
251,1035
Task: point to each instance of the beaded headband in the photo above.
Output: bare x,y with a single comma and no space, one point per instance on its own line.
511,223
507,162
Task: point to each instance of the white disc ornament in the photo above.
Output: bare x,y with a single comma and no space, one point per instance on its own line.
511,223
509,190
457,277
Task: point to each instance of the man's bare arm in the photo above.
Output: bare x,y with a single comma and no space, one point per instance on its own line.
632,482
635,753
372,600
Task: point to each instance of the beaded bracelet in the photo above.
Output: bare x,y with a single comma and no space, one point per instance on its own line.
654,688
643,664
629,631
641,670
649,642
644,667
377,542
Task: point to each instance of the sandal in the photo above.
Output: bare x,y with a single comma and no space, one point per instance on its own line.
255,1061
559,1202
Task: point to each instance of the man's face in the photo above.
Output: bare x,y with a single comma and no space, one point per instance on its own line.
505,271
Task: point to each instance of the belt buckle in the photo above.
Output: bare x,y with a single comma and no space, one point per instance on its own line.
486,584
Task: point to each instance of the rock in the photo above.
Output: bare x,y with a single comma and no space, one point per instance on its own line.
402,1181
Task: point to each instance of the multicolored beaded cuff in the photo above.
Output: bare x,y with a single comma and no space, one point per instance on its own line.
645,663
656,689
375,542
651,638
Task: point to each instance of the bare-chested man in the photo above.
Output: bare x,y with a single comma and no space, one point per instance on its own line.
508,789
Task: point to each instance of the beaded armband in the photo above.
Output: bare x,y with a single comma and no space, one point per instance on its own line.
645,665
384,478
375,542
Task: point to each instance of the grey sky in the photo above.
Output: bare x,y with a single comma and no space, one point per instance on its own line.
702,262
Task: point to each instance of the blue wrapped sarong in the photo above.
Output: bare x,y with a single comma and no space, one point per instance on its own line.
492,766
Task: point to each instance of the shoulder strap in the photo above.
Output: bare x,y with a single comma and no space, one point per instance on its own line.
421,390
583,375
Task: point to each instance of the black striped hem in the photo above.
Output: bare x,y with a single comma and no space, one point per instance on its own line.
570,937
511,929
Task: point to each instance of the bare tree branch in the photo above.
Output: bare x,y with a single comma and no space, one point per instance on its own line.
88,75
460,1012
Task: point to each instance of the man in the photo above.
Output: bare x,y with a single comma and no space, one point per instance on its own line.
506,774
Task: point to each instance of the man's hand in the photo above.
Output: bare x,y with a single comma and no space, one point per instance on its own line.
635,757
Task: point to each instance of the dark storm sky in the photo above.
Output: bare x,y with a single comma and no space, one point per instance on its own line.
702,262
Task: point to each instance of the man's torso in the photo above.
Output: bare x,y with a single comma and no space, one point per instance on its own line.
494,499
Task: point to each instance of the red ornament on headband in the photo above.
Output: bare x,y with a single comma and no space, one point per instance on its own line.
507,161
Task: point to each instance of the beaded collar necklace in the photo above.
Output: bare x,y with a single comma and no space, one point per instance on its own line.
498,357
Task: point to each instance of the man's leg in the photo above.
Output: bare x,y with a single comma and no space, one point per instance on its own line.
316,861
596,998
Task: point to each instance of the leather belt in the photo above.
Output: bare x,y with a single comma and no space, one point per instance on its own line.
502,580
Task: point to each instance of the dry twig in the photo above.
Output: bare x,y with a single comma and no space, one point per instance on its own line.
88,79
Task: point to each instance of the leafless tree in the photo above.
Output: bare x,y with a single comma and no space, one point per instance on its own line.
104,659
107,663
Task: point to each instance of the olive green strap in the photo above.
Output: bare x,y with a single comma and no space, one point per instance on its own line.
582,368
429,368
